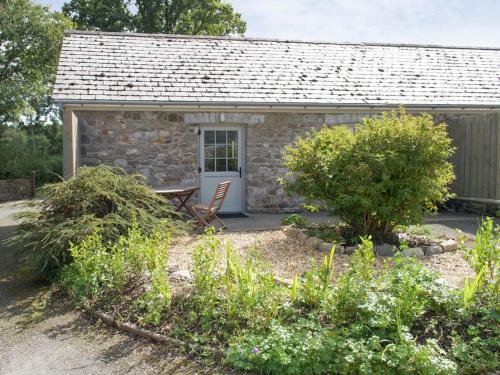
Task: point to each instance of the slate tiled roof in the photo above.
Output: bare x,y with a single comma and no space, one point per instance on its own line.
141,68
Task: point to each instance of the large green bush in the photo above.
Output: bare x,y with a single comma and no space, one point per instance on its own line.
388,172
97,199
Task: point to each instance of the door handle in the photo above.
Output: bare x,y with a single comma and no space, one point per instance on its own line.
240,172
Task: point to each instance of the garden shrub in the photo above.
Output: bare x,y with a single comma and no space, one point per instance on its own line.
295,219
390,171
100,270
97,199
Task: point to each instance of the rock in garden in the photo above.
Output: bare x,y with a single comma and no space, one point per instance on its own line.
339,250
291,232
171,268
385,250
301,236
182,275
449,245
432,250
349,250
314,242
413,252
325,247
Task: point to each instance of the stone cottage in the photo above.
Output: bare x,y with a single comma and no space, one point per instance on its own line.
186,110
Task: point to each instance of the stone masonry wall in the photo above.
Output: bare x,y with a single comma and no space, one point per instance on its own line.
159,145
11,190
163,146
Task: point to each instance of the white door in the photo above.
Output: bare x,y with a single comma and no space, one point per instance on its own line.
221,159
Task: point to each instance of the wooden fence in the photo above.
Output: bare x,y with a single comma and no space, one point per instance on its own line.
477,158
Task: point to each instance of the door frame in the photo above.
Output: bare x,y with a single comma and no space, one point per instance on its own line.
242,136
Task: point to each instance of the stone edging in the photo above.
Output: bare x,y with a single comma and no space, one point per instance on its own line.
156,337
384,250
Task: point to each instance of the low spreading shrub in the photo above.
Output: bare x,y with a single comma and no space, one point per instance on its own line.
97,199
101,270
295,219
388,172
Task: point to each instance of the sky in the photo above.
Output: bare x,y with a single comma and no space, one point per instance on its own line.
450,22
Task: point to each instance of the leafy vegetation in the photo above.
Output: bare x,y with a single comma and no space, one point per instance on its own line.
484,257
295,219
402,319
97,200
388,172
34,148
30,129
100,270
206,17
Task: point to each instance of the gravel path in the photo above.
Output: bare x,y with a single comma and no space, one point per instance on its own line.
287,256
39,335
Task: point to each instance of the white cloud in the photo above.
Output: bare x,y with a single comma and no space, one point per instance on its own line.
465,22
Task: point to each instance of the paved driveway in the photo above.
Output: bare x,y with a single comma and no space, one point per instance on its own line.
41,336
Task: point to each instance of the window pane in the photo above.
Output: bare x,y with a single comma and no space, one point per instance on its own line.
220,137
232,136
220,165
232,165
209,136
221,151
209,151
209,165
232,150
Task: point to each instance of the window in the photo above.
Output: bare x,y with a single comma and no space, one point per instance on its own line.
221,150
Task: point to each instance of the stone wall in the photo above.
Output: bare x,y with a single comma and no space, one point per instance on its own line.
11,190
264,150
159,145
163,146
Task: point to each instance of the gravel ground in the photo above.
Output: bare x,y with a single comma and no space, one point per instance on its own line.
287,256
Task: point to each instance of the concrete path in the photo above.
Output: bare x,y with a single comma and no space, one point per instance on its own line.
40,335
445,223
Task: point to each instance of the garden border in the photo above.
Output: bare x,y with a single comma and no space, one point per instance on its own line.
384,250
153,336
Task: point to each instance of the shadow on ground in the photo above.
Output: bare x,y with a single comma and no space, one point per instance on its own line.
42,334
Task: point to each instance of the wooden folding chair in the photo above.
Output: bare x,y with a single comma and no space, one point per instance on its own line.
205,214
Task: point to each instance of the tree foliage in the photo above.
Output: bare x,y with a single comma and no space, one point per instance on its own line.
30,40
107,15
195,17
35,148
388,172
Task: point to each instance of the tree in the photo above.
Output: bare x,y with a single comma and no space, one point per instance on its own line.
388,172
195,17
106,15
30,40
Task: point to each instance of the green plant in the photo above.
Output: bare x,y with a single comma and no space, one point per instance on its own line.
295,219
305,347
388,172
206,278
484,256
97,199
419,230
471,288
100,268
313,288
